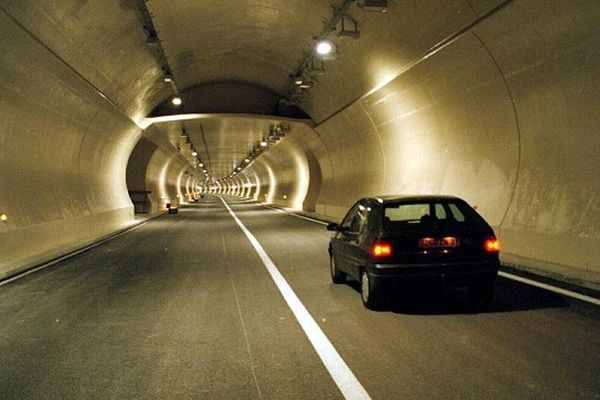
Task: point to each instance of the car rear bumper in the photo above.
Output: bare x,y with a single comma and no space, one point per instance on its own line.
451,274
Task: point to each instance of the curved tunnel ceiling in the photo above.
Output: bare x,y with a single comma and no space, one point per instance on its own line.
237,56
492,100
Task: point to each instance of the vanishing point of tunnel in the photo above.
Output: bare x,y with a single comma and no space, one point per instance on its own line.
167,169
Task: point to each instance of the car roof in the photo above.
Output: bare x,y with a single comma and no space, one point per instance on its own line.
412,197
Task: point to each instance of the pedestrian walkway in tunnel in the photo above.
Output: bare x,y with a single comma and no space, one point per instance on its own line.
185,307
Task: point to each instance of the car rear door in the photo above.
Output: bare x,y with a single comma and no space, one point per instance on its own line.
340,240
352,237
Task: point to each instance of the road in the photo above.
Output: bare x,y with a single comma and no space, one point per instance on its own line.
183,307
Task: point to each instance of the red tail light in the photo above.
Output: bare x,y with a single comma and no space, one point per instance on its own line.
491,245
381,249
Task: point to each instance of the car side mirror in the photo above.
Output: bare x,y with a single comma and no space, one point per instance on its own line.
333,227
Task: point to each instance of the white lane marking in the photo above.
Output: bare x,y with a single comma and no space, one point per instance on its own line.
296,215
336,366
531,282
74,253
551,288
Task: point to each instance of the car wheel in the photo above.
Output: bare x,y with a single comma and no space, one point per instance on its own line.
337,276
481,297
368,292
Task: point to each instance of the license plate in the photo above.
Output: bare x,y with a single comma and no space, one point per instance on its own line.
434,243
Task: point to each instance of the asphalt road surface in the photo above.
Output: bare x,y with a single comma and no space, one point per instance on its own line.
184,307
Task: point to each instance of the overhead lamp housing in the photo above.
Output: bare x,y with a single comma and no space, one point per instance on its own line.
324,47
176,101
373,5
353,33
326,50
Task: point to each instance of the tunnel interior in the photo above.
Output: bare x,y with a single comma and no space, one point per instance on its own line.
492,101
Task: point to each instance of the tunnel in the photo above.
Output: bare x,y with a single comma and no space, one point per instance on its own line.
123,115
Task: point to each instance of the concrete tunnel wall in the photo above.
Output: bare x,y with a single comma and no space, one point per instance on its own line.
504,115
64,152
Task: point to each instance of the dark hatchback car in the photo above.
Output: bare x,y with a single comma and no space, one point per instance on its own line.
432,240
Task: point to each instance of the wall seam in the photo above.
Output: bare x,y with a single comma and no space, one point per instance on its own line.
429,53
69,66
517,124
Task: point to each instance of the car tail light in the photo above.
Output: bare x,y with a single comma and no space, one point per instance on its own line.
491,245
381,249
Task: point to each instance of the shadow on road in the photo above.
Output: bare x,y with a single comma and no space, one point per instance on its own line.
510,296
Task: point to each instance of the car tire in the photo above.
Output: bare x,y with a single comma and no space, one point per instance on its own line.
337,276
481,297
369,291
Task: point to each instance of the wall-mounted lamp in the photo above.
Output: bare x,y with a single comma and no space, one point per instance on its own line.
176,101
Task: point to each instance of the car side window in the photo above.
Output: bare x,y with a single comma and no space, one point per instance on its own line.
361,218
349,218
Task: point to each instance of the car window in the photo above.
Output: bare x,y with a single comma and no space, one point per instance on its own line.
440,211
406,212
456,213
356,218
349,218
360,220
403,216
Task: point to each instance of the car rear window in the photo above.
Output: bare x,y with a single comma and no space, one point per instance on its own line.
403,216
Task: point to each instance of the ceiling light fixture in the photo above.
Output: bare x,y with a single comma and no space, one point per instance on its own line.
176,101
349,33
374,5
324,47
194,153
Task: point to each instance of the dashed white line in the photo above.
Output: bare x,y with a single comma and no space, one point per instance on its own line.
338,369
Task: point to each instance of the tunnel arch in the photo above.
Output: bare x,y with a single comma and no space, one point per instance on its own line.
427,99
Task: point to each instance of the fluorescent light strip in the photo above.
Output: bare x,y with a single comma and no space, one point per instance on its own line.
338,369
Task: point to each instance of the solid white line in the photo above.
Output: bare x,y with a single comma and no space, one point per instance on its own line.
554,289
73,254
336,366
531,282
296,215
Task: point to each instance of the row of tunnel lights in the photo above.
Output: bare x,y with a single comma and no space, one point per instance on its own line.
324,48
276,132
